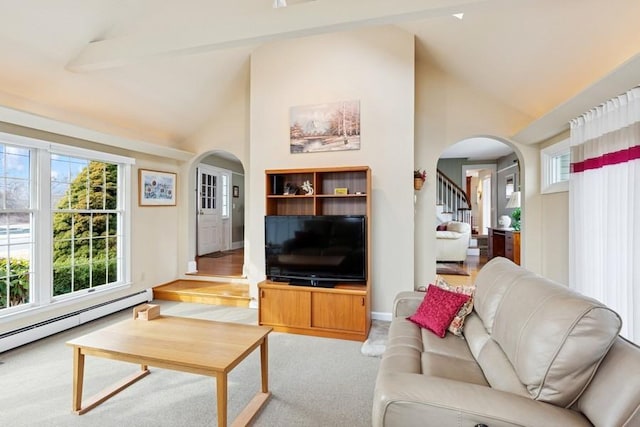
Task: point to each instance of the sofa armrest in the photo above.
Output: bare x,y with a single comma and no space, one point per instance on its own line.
406,303
404,399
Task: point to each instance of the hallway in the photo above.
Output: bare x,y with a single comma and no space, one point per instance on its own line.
225,264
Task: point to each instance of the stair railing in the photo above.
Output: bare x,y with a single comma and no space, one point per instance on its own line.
452,198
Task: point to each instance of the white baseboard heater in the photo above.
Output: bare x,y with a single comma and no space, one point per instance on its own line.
18,337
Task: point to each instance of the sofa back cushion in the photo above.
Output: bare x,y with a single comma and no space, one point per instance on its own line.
458,227
492,281
553,337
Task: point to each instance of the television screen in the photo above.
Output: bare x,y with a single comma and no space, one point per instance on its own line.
316,250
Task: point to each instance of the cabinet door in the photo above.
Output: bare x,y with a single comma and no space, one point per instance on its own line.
508,246
280,307
338,311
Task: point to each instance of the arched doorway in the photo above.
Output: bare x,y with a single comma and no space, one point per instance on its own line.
219,215
487,171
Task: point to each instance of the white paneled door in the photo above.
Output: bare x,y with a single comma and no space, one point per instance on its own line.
209,210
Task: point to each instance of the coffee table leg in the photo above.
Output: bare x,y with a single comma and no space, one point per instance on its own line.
221,385
264,364
78,377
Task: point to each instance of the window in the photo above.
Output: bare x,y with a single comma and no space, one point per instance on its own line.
16,225
555,162
63,218
85,223
225,195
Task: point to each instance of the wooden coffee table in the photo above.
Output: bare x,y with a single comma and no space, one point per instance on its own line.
184,344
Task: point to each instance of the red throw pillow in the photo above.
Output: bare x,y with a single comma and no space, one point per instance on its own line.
437,310
441,227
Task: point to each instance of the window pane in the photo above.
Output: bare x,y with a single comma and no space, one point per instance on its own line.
61,278
80,254
99,274
17,162
14,281
16,193
16,240
81,276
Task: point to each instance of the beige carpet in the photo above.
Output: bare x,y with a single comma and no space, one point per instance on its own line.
315,382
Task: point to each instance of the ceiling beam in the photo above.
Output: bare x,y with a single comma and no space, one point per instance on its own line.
244,29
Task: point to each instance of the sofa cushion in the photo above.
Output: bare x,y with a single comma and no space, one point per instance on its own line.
449,235
554,337
438,309
459,227
456,325
492,281
438,365
496,367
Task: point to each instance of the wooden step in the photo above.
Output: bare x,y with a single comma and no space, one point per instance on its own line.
204,292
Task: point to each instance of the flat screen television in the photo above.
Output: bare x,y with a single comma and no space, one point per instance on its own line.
316,250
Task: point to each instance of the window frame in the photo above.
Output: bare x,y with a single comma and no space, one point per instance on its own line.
41,285
547,156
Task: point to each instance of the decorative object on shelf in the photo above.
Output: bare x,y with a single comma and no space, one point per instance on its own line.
504,221
308,189
419,177
156,188
290,189
341,190
514,203
325,127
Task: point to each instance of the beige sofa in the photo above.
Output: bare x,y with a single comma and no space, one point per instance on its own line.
534,353
452,243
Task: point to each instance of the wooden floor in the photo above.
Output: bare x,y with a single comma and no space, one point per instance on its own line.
473,264
227,264
218,267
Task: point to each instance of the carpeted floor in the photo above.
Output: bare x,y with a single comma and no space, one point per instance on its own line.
451,269
315,382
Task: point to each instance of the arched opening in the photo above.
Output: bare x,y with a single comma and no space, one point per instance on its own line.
217,210
478,196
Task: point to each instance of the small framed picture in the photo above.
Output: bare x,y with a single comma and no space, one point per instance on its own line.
340,190
236,191
156,188
509,185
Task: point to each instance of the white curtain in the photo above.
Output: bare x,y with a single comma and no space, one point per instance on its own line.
604,207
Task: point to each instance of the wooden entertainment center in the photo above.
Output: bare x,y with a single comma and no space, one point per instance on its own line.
343,311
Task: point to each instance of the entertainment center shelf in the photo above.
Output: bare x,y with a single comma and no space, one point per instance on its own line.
342,311
324,200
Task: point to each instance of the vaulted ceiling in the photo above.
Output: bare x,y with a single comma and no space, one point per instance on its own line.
159,70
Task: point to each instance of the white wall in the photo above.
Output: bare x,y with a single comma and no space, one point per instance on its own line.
448,111
225,132
554,230
376,67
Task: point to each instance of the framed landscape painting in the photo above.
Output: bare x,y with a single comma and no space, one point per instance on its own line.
156,188
325,127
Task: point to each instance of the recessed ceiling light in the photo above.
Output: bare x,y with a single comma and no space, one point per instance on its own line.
279,3
459,15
